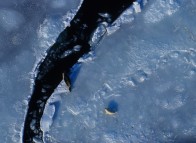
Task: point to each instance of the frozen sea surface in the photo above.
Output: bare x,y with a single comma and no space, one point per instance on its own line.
146,70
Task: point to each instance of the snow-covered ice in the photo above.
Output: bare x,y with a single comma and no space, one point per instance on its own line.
10,19
145,66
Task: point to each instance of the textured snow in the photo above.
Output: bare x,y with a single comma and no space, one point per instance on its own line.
146,70
10,19
159,9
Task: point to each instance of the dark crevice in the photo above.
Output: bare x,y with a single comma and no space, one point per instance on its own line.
56,63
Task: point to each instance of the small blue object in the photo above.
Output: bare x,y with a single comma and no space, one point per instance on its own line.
112,106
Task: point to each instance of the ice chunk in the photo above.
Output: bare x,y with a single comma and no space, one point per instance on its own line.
77,48
106,16
98,34
87,58
47,120
66,53
32,125
37,140
136,7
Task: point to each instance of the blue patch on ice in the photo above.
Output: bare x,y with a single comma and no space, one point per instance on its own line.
74,72
113,106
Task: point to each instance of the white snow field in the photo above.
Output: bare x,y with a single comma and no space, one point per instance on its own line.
144,69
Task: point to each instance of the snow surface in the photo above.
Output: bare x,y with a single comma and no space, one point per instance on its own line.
146,70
